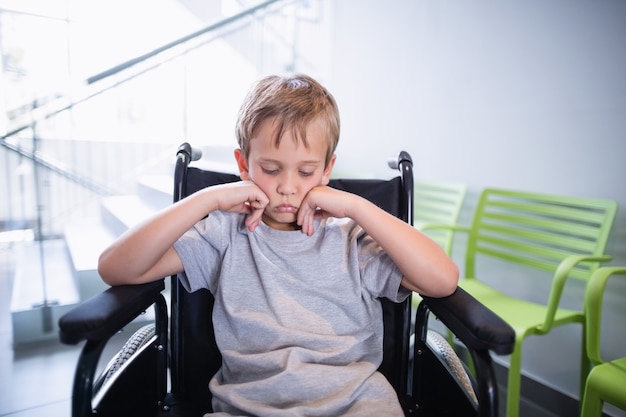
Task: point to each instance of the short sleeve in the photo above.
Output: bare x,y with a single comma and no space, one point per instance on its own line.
200,250
379,273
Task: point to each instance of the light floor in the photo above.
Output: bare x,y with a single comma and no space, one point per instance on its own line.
35,380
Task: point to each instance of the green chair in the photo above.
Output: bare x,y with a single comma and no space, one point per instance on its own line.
438,203
607,380
436,208
527,233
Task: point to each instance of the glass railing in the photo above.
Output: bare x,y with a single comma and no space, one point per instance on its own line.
65,150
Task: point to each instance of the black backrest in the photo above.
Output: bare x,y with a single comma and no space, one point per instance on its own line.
195,357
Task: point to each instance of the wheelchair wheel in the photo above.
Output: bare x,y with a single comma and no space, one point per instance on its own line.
440,346
140,338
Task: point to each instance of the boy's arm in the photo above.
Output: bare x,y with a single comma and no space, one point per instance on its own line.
145,253
425,266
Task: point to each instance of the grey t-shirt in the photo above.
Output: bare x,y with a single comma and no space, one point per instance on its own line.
297,318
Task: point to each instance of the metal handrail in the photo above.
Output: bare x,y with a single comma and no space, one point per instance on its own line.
87,94
61,103
57,168
212,27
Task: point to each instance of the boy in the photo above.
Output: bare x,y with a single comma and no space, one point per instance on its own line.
296,267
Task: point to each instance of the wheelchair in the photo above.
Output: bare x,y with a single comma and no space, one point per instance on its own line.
165,367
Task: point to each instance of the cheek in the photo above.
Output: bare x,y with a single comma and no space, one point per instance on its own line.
312,182
261,181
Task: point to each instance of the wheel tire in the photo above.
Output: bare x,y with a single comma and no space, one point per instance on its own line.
442,348
132,345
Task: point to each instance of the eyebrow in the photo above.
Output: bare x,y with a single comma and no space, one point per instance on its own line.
275,161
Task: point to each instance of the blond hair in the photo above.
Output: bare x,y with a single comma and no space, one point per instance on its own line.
295,102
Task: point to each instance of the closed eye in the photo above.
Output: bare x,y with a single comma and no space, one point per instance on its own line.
269,171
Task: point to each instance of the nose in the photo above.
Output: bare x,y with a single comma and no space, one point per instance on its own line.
287,184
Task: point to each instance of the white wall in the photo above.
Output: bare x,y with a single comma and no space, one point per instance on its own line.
528,95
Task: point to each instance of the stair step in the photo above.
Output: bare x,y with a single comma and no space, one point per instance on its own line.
85,243
70,264
35,310
119,213
156,190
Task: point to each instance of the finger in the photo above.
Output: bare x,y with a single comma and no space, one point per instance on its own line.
307,224
320,214
254,219
245,209
258,205
300,217
251,224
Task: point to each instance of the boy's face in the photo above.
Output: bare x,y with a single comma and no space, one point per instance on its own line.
287,173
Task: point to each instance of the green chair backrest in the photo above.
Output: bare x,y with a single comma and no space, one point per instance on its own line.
539,230
438,203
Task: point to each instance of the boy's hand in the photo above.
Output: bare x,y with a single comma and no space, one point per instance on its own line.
243,197
321,202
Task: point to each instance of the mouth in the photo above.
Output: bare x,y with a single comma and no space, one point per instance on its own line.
286,208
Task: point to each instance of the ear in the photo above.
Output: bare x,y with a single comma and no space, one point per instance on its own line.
242,164
328,170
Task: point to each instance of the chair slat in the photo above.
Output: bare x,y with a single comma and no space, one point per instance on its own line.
541,238
539,230
562,226
438,203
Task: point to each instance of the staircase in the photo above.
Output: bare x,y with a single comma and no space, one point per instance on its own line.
70,263
111,117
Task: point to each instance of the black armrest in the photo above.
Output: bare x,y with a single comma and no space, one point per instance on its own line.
473,323
101,316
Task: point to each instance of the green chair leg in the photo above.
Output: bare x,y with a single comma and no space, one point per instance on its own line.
514,379
592,404
585,363
607,380
605,383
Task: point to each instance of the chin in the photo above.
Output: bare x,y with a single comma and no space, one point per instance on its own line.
282,221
